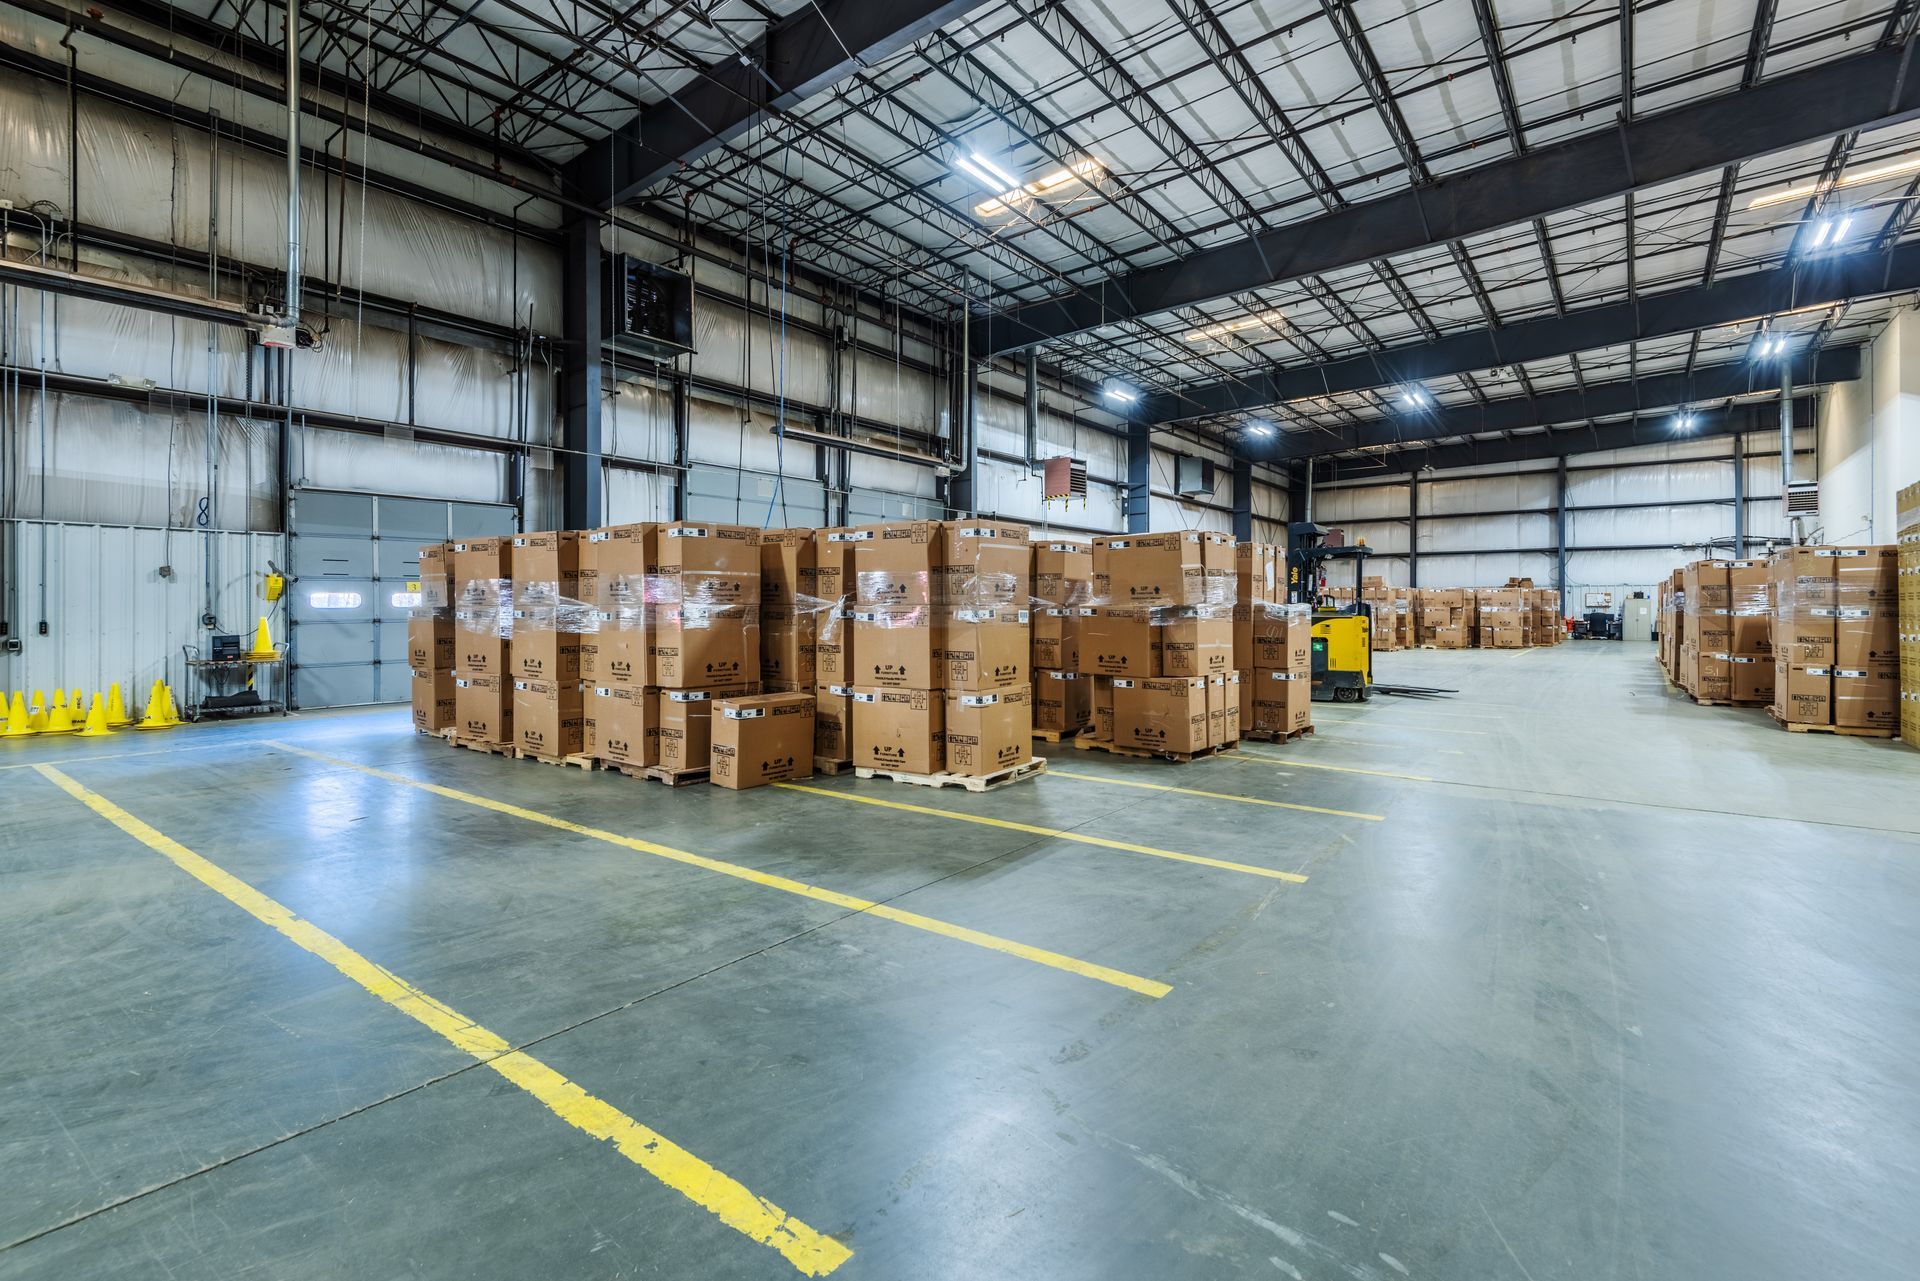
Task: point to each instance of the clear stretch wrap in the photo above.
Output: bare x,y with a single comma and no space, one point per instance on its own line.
430,644
1162,605
941,605
1836,638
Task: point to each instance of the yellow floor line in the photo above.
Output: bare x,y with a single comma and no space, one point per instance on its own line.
121,756
1217,796
1035,829
813,1253
1409,728
932,925
1289,762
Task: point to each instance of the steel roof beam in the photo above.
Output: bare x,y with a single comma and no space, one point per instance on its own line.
804,53
1598,400
1663,315
1867,90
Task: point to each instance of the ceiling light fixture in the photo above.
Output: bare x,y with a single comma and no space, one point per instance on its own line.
1685,421
1264,320
1259,429
1893,169
1079,171
1125,395
1414,398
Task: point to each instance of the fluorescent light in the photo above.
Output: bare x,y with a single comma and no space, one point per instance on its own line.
1892,169
1684,422
1079,171
1840,232
980,175
1124,395
1264,320
1260,429
1000,175
1820,236
1414,398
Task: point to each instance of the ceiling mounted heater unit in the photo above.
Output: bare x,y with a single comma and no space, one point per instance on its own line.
1192,476
648,308
1803,499
1065,479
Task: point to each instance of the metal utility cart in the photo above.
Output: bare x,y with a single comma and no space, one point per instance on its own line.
234,685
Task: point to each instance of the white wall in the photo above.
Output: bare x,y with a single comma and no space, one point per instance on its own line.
1870,438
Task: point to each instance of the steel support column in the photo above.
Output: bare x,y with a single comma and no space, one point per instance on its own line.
1413,529
682,446
1243,500
1739,494
1139,505
1560,529
582,504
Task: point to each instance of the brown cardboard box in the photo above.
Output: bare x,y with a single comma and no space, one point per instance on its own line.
1866,636
1801,588
899,729
548,615
1156,569
436,577
1866,577
833,723
833,553
482,571
1707,586
593,605
686,726
624,724
1259,574
988,730
789,569
622,557
1194,640
1223,709
1750,678
1063,573
1062,701
1866,698
1161,713
1278,702
900,566
1750,609
482,607
1279,638
549,717
1712,676
1118,642
1058,631
760,739
483,709
983,647
706,622
713,567
430,641
550,556
705,647
898,646
434,707
788,652
984,564
1802,693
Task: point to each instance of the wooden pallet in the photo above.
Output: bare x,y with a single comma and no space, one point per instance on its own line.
475,745
1845,731
1141,753
444,735
1274,735
1723,702
578,759
1031,768
1059,735
832,769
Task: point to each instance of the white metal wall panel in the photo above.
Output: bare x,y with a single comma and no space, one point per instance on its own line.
636,496
112,616
338,460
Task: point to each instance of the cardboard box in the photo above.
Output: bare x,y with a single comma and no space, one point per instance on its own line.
833,554
1750,611
1102,708
436,576
705,646
898,647
988,730
622,556
901,730
900,566
1259,574
429,641
551,557
549,717
1712,676
760,739
712,567
1058,631
1750,678
1278,702
1156,569
1062,701
686,726
483,709
1223,709
434,706
833,723
1865,577
1194,640
983,647
1802,693
789,569
623,723
1161,713
590,600
1866,698
482,571
788,651
1865,636
1276,637
984,564
548,615
1118,642
1063,573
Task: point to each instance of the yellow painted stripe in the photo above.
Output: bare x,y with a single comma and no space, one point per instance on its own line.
1290,763
992,942
755,1217
1057,833
1407,726
1217,796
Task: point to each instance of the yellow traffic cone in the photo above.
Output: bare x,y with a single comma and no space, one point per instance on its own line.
60,719
156,714
37,721
117,708
263,642
19,723
96,726
172,708
77,705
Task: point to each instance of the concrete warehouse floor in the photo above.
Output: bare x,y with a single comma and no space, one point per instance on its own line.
1614,986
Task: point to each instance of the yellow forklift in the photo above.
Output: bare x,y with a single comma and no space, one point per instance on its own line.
1342,630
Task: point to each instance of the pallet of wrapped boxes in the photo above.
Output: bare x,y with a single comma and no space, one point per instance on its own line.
430,646
1443,617
1836,640
941,638
1907,590
1159,645
1062,601
482,591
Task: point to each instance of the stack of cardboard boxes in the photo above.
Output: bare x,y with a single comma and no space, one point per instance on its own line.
1673,622
1392,607
1749,630
1160,643
1548,627
1704,671
549,712
1444,617
941,638
1505,618
430,645
833,551
1907,568
1272,647
1836,638
482,591
621,722
1062,602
